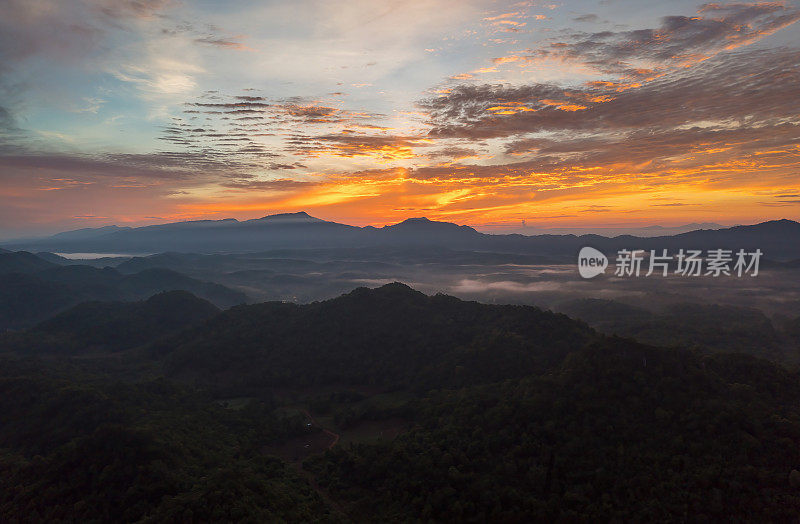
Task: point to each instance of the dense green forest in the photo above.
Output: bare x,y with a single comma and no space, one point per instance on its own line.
618,432
383,405
78,450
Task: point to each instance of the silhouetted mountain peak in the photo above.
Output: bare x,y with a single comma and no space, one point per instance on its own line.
395,288
770,226
418,221
288,218
391,291
424,225
772,231
179,300
782,223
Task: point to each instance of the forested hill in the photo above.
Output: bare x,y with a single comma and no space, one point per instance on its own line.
391,337
109,327
33,289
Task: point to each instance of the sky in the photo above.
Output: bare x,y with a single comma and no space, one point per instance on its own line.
495,114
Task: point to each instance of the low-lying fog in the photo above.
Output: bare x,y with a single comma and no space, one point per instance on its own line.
308,275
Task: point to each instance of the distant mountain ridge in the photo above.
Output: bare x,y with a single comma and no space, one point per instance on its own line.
646,231
89,232
778,239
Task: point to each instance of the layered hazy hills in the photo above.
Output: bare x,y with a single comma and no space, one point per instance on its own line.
779,239
34,289
102,327
23,262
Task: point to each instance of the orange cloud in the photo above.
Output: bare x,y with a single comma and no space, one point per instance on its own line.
563,106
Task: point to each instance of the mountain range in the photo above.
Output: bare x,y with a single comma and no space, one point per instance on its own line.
777,239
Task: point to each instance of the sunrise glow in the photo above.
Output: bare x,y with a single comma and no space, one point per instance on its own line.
480,113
